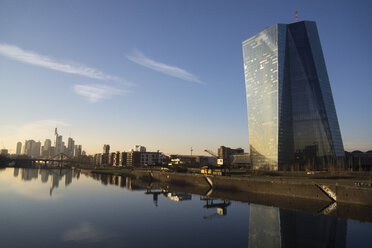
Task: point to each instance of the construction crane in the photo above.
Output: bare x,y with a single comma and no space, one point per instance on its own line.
211,153
219,160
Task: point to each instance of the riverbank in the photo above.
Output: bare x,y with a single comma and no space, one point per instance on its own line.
194,184
282,185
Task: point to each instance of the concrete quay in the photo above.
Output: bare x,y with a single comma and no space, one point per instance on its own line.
294,188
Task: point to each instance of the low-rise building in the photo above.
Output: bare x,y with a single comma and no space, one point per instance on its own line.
150,158
111,158
116,159
188,160
241,160
225,153
134,159
97,159
359,161
4,152
123,159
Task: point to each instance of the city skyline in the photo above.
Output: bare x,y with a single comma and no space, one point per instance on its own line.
165,75
49,149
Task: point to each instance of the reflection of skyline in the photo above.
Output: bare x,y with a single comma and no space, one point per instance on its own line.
29,174
16,172
68,178
83,214
268,226
55,175
44,176
274,227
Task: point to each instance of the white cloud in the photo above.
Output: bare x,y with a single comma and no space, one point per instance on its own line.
170,70
86,233
33,58
97,92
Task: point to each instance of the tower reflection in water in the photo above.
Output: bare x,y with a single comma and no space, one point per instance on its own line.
274,227
268,226
55,175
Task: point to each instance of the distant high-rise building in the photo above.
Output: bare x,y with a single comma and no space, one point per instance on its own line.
46,150
35,150
70,146
47,144
58,143
19,148
28,147
291,114
77,150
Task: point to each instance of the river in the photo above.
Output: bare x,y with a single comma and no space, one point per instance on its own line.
66,208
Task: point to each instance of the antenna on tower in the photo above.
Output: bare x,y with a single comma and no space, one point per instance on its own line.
191,150
296,15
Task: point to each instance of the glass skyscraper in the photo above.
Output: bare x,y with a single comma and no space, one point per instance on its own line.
291,114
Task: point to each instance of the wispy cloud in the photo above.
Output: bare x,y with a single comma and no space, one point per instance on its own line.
33,58
139,58
97,92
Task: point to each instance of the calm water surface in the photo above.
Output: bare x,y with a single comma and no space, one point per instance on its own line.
63,208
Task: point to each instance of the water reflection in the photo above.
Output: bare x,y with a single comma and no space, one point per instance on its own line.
264,226
220,205
274,227
87,233
268,226
55,175
305,230
106,219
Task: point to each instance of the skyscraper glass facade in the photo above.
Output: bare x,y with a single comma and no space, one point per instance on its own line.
291,114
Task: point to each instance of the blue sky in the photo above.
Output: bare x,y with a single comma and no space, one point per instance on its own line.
164,74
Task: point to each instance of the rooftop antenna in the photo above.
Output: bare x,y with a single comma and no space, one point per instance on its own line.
296,15
191,151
